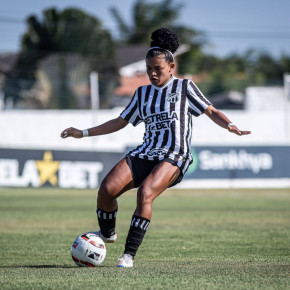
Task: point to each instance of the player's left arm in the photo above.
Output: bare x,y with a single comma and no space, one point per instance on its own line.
223,121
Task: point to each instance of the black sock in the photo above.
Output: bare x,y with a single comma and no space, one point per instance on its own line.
138,228
107,222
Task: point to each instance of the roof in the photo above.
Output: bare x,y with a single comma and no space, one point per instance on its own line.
128,54
130,84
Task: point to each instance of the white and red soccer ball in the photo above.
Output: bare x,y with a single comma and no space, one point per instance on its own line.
88,250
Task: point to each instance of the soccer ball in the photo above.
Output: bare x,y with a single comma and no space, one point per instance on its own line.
88,250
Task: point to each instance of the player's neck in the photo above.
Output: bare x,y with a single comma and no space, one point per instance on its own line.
165,84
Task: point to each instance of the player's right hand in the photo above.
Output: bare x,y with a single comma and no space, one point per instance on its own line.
71,132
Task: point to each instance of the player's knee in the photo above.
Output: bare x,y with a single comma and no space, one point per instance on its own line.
106,190
144,197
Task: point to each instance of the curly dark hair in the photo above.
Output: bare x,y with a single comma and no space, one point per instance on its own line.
166,41
165,38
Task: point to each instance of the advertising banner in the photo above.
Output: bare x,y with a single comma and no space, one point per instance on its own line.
79,169
64,169
255,162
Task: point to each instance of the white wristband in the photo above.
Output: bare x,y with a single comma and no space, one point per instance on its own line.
85,133
230,124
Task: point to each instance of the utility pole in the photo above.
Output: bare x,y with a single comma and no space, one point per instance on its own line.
95,100
287,106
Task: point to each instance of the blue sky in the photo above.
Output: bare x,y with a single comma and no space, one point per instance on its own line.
230,25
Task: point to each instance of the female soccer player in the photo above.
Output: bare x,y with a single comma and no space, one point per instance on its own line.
166,106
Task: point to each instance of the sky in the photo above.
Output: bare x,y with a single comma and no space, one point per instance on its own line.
230,26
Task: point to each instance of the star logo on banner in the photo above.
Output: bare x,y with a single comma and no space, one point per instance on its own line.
47,169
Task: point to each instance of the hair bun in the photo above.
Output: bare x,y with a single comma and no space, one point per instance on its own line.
164,38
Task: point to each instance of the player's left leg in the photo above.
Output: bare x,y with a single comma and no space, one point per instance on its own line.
160,178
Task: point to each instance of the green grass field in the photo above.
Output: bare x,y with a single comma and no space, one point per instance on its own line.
197,239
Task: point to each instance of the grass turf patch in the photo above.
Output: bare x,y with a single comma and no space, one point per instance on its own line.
197,239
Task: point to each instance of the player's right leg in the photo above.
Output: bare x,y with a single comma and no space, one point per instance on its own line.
117,181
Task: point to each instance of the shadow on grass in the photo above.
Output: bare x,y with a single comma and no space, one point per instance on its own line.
37,266
50,266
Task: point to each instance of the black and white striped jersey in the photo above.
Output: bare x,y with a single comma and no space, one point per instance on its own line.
167,113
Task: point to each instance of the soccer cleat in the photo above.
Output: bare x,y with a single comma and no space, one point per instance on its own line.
111,239
126,261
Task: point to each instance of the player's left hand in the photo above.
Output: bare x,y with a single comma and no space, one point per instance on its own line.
234,129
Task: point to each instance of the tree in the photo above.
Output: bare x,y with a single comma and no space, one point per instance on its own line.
67,32
234,72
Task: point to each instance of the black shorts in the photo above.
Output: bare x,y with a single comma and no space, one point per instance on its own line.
141,168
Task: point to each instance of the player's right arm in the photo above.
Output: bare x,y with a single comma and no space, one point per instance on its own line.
105,128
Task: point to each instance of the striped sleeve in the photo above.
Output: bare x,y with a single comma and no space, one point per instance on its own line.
132,113
197,101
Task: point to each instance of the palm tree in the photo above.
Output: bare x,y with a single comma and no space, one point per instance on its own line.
149,16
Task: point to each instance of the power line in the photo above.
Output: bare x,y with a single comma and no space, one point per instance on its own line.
11,20
247,34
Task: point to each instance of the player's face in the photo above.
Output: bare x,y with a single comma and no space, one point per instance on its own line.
159,70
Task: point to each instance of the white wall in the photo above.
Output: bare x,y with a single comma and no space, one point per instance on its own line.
265,99
41,130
